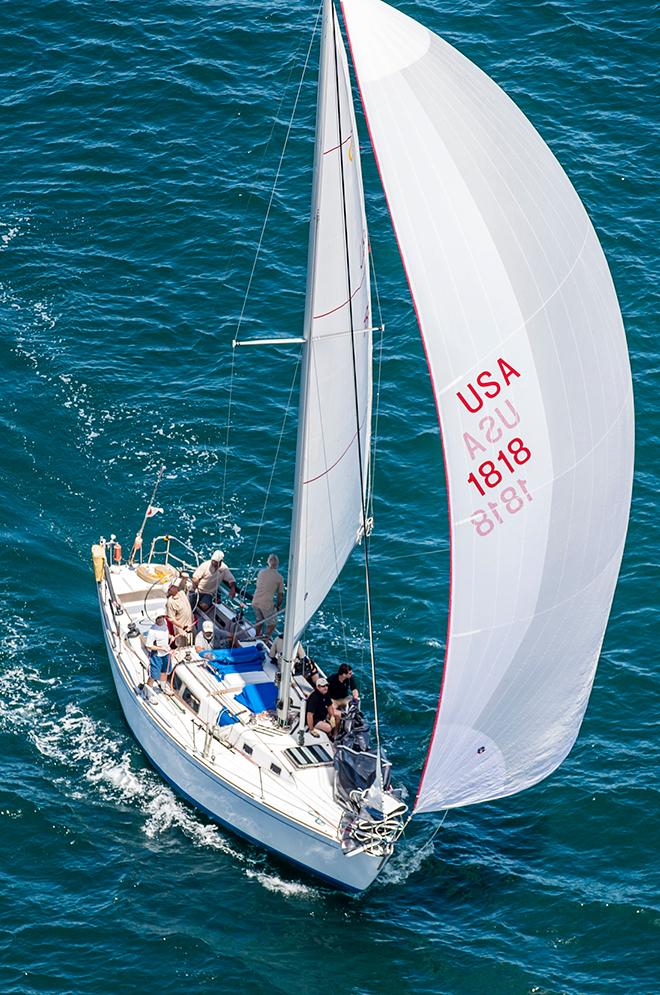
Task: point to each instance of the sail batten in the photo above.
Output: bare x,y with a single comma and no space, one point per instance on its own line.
526,350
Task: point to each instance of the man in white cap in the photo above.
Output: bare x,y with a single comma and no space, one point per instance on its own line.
204,639
207,578
157,643
321,714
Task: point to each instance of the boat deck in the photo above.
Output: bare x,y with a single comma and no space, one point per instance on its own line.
207,716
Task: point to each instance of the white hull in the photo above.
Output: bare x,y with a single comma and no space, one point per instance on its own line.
198,781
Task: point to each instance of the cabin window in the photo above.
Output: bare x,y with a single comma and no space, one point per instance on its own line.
189,698
176,683
248,749
275,769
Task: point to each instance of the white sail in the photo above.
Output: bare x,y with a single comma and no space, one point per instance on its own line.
327,513
527,356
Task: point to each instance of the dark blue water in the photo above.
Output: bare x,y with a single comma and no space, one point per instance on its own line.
138,148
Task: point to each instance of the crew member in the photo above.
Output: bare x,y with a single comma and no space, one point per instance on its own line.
343,686
277,648
178,607
207,578
157,642
204,640
320,710
268,596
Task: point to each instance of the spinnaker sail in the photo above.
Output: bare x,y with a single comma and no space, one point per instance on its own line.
527,355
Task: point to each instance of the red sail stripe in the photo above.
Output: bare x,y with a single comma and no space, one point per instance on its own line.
339,458
335,147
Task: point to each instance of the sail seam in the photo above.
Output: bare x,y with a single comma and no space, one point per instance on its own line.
523,325
551,608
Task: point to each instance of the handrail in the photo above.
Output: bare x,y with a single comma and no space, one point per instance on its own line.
168,540
243,595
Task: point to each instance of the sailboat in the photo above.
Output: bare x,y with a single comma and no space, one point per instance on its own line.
527,356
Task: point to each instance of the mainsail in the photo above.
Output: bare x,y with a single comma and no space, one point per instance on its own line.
336,378
528,360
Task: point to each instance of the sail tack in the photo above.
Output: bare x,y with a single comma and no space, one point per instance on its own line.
337,380
527,355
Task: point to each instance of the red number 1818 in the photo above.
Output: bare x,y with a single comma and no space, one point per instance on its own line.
516,454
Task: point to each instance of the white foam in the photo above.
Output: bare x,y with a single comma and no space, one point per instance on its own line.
96,756
164,812
407,860
12,230
291,889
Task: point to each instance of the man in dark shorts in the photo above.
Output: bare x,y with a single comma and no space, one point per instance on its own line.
342,686
157,643
320,710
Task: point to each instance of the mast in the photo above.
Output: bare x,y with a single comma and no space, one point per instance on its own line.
293,574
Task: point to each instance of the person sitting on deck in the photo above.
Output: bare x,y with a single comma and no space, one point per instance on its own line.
270,584
321,714
207,578
342,685
157,642
178,607
277,648
205,639
224,634
302,664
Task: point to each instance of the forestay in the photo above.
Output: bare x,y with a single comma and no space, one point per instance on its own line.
527,355
328,501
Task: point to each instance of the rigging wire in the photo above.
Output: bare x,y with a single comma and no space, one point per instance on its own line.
259,244
266,147
229,406
363,494
435,832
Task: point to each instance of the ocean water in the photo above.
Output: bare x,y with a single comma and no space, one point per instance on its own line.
138,149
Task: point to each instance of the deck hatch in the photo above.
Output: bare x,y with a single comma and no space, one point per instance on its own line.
308,756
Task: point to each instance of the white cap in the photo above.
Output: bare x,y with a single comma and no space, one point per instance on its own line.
218,556
207,625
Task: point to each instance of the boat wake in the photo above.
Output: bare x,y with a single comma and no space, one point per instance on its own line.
92,755
407,860
290,889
